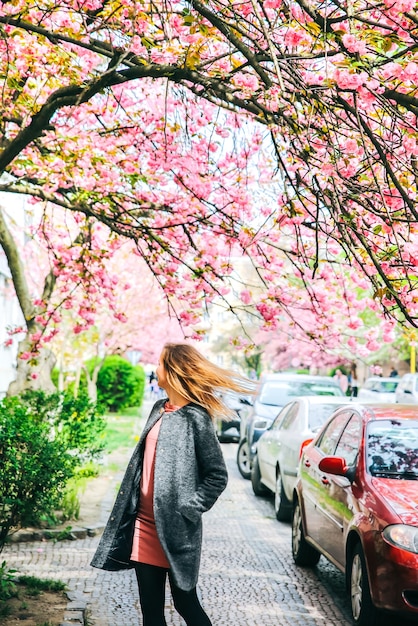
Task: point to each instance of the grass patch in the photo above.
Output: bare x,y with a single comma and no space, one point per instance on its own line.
132,411
122,431
34,599
42,584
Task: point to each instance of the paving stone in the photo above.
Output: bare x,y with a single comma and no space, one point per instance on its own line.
93,531
74,617
77,605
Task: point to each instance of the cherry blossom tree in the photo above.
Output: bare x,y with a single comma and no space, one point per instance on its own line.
280,130
142,329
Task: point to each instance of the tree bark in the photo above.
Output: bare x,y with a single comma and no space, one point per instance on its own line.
31,373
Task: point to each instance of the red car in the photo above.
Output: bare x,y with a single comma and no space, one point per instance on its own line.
356,503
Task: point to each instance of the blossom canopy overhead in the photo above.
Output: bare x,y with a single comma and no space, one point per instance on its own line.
283,130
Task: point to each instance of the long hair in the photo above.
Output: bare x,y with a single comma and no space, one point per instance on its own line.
198,380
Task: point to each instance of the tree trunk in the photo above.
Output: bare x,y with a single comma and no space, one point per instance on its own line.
92,380
30,374
33,375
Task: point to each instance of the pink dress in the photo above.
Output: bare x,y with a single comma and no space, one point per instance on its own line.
146,546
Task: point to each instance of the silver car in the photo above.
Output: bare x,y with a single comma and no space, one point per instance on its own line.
379,389
279,448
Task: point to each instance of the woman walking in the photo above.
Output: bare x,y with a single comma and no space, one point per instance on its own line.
176,473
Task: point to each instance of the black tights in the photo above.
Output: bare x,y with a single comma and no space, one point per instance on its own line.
151,583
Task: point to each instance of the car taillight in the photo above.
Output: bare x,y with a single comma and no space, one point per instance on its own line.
303,445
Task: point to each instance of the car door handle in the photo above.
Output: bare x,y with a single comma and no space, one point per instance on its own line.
324,480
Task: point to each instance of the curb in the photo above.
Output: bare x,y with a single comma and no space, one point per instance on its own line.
76,610
68,533
75,613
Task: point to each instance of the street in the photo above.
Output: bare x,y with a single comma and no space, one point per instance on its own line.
247,574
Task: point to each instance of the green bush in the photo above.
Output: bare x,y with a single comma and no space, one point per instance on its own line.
44,440
7,581
76,422
70,503
120,384
34,466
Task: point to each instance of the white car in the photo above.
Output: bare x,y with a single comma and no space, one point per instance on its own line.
407,390
279,448
379,389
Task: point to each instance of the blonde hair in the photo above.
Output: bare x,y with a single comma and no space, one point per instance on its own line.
198,380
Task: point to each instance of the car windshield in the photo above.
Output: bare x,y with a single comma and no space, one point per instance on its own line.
392,448
279,393
385,386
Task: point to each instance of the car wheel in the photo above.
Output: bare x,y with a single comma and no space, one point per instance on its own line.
243,460
282,506
258,487
303,553
362,608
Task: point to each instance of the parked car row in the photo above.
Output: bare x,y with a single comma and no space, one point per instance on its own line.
402,390
279,448
344,471
274,392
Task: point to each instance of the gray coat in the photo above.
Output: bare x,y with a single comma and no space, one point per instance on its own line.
190,475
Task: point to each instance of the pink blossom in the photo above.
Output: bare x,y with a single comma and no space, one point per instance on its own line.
25,356
353,44
352,343
35,337
272,4
373,345
349,80
293,37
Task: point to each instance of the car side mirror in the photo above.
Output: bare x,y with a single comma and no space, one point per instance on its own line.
337,465
333,465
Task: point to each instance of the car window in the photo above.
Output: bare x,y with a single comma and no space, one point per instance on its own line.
392,448
290,417
281,416
274,393
349,443
387,386
330,436
317,389
319,413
